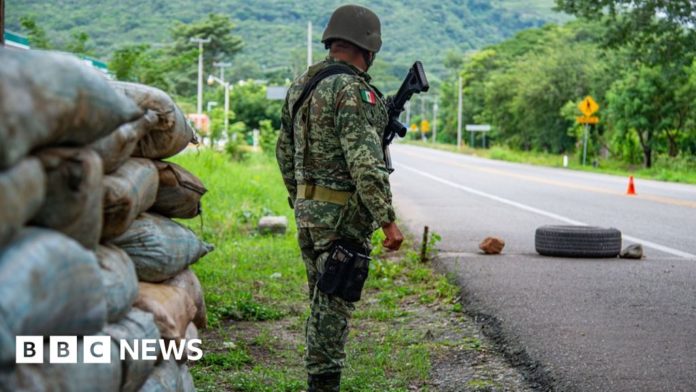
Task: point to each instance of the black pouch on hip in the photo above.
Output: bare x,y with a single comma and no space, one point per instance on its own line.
345,271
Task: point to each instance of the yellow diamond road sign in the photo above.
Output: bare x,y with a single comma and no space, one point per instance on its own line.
588,106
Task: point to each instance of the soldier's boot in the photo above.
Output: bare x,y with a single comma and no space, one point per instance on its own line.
327,382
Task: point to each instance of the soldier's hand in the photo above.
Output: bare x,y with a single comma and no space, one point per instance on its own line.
394,236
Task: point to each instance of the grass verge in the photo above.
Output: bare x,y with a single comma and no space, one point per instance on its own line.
256,293
675,170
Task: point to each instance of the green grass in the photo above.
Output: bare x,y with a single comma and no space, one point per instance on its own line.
255,290
665,169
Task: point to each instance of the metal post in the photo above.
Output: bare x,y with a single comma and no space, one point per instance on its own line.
227,106
309,44
222,67
200,42
584,147
435,108
459,114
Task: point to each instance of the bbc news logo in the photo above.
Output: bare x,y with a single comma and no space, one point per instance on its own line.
97,349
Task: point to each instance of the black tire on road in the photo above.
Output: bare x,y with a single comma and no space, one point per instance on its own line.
578,241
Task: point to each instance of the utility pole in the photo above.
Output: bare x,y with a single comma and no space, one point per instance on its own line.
222,67
200,42
309,44
211,80
435,109
459,114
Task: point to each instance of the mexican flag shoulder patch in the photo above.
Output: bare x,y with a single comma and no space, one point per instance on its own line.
368,96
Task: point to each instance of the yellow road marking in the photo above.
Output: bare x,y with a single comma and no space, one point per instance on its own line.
563,184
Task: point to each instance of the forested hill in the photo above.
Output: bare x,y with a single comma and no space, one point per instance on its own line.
274,31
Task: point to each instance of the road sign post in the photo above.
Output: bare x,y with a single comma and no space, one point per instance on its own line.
588,107
485,128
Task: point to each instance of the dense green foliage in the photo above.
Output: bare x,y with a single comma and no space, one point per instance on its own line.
528,88
274,32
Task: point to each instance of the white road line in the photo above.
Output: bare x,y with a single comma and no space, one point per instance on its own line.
548,214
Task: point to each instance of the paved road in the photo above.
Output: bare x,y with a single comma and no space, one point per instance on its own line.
593,325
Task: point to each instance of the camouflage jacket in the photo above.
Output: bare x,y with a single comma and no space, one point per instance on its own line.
344,119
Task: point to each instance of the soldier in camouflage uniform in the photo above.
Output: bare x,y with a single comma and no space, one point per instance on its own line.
332,163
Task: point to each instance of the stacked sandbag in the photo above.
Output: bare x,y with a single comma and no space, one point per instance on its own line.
50,98
87,243
171,134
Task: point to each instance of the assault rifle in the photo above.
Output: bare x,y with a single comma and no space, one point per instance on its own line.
415,83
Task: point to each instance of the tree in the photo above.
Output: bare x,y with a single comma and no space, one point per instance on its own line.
79,43
36,34
655,31
223,44
643,102
126,61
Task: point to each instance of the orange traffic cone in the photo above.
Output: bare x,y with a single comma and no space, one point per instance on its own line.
631,187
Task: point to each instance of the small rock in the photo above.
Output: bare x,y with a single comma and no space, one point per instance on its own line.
273,225
276,275
634,251
492,245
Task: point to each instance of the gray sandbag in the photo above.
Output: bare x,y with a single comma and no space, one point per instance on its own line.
129,191
22,192
67,377
171,134
160,247
52,98
74,183
180,192
165,378
191,333
135,326
118,146
119,279
186,379
188,281
49,285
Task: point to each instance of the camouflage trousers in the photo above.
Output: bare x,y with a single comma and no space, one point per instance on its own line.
326,330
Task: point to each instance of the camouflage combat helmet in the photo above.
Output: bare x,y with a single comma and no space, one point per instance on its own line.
355,24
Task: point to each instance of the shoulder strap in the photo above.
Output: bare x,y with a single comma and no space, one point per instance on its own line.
333,69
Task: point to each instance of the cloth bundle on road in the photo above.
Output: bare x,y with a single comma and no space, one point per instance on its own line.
133,328
160,247
22,192
172,307
119,279
49,285
189,282
180,192
171,134
129,191
72,377
117,147
50,98
73,202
